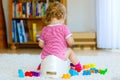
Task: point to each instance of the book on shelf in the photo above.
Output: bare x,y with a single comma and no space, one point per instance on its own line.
29,9
32,29
20,10
40,8
23,31
19,31
34,32
14,32
24,9
26,30
34,8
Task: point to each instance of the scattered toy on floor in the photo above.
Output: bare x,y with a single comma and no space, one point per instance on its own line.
36,74
21,73
73,72
66,76
89,69
29,74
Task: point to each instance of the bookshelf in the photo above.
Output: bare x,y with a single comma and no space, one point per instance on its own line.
3,39
25,21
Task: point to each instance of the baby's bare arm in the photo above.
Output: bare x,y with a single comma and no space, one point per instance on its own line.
70,41
41,44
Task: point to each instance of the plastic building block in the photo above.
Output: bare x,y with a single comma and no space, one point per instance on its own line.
21,74
95,70
86,67
89,66
92,71
86,72
36,74
78,69
92,65
103,71
71,65
39,67
73,72
66,76
29,74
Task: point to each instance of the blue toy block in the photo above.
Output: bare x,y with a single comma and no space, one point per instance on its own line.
96,70
92,68
73,72
86,72
21,74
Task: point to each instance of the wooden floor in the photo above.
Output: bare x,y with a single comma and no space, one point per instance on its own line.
78,52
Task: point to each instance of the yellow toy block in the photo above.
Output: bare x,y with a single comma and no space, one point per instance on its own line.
66,76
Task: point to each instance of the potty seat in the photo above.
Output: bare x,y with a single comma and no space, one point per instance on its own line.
53,67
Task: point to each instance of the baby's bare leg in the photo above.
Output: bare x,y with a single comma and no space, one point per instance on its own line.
72,57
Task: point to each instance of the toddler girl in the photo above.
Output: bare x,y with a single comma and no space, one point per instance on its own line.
55,38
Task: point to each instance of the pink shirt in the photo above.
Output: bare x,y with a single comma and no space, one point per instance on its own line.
54,39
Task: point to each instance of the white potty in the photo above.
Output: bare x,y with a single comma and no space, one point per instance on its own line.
53,67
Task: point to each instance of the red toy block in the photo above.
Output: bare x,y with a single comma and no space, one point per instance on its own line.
78,69
39,67
28,74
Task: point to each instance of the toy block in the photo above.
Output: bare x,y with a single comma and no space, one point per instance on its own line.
99,70
103,71
66,76
95,70
39,67
21,74
78,69
86,67
92,65
86,72
73,72
36,74
29,74
71,65
92,71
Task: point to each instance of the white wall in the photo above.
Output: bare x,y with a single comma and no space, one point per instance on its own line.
81,15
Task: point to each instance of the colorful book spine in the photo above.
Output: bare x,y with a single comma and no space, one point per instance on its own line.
26,30
31,9
19,32
24,9
37,9
23,31
17,10
28,9
34,32
34,8
20,9
14,33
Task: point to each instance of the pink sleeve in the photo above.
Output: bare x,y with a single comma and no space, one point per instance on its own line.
67,32
41,36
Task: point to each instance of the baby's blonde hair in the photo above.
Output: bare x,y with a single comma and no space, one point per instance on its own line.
55,10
